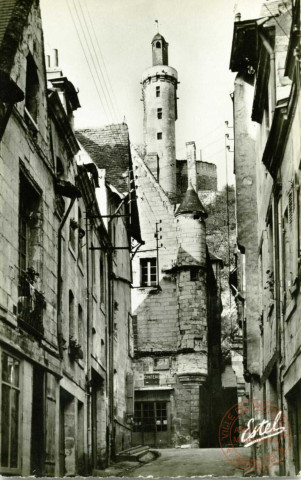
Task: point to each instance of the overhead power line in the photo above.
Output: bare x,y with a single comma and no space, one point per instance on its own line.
103,61
276,21
93,70
205,136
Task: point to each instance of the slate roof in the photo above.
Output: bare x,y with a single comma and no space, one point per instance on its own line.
191,204
13,18
6,10
269,9
109,148
158,36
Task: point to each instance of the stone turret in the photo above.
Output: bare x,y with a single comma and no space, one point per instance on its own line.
160,50
191,276
159,86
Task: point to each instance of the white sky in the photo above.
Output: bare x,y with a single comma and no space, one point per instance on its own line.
199,33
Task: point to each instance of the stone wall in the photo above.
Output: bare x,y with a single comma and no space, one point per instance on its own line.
171,318
206,177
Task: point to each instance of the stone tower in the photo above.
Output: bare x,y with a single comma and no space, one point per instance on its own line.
191,274
175,294
159,87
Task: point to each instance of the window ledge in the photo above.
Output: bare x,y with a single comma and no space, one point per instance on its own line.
290,309
94,296
80,266
270,308
8,317
149,288
71,251
80,363
30,122
295,287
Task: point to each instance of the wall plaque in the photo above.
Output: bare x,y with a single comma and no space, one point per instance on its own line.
151,379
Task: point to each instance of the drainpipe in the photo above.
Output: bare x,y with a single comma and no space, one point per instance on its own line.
72,190
111,352
111,336
271,53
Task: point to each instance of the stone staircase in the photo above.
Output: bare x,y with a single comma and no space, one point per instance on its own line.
141,453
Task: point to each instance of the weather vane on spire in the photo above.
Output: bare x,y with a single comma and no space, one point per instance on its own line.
157,22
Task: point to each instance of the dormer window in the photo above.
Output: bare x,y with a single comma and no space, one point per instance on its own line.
158,45
32,88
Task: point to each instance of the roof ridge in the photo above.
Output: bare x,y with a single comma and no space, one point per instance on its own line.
108,125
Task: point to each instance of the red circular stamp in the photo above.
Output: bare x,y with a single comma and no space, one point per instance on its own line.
254,434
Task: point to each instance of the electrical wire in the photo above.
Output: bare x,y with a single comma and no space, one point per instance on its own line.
288,11
106,90
276,20
213,154
102,59
116,132
107,108
93,61
204,136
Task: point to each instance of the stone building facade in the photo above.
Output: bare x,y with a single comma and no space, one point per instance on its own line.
109,150
176,280
266,56
65,329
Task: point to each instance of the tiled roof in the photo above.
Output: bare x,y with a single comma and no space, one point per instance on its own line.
269,9
6,10
109,148
13,18
158,36
191,204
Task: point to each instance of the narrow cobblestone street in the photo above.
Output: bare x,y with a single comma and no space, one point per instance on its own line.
174,462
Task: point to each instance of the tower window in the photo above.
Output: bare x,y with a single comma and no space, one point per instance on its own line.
148,271
159,136
159,113
157,91
158,45
193,274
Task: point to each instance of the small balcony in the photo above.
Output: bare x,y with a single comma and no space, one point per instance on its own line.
75,350
31,304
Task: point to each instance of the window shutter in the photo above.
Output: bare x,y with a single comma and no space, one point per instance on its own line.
50,441
129,394
290,206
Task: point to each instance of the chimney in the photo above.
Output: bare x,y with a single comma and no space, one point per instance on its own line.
52,65
238,17
191,164
55,58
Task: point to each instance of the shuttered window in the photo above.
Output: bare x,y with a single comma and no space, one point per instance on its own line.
51,438
10,413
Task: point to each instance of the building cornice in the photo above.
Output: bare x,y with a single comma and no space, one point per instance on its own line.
278,136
